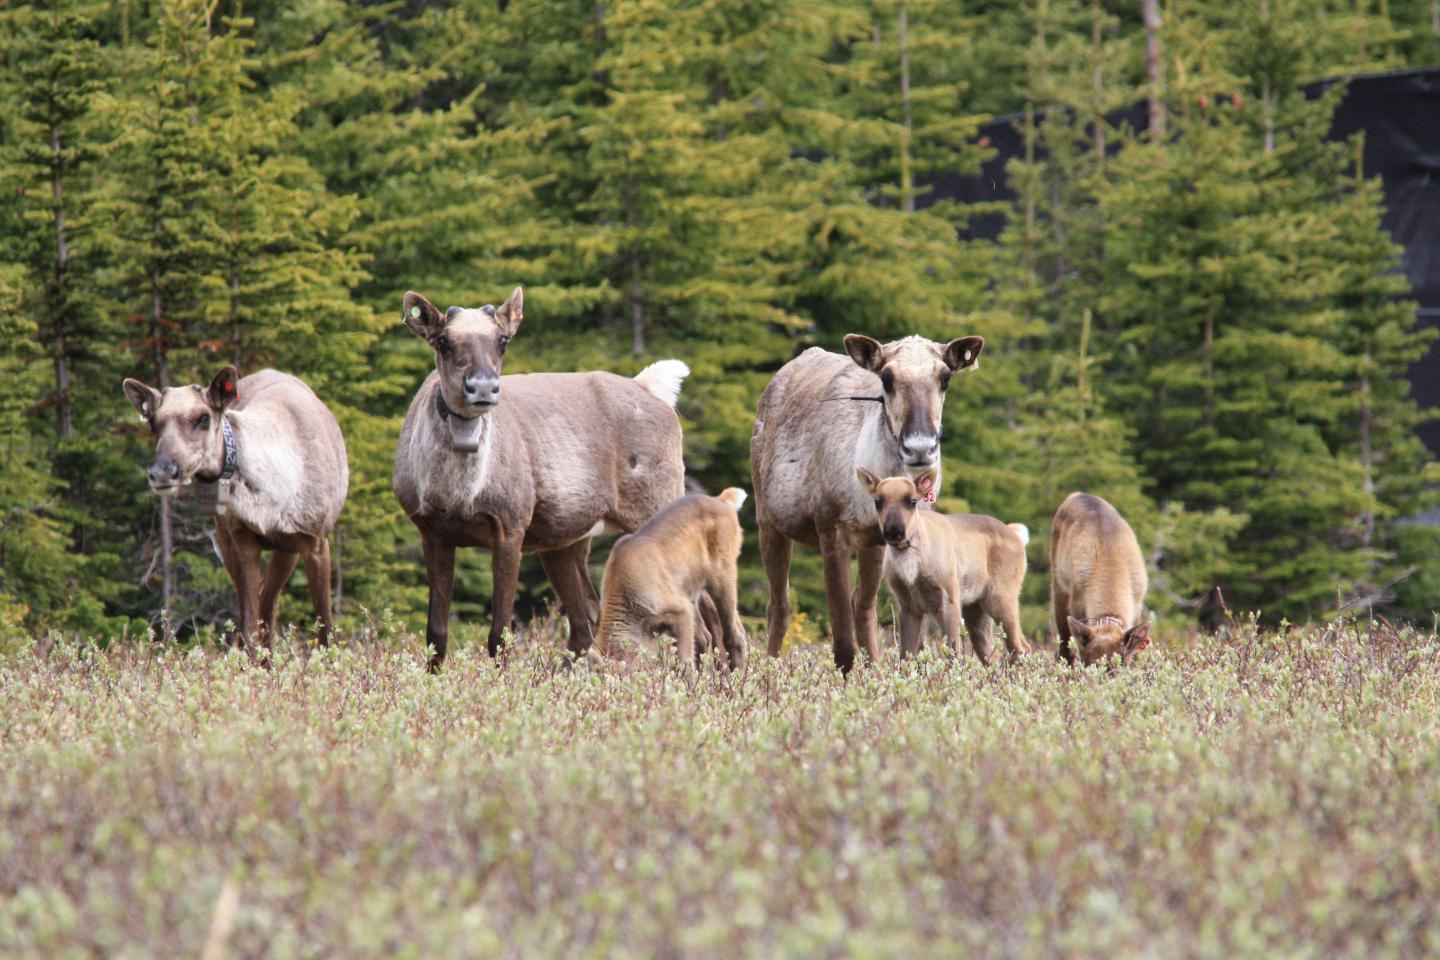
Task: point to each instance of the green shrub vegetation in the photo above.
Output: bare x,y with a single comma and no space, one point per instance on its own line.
1204,327
1268,794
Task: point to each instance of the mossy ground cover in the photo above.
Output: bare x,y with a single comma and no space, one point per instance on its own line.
1261,795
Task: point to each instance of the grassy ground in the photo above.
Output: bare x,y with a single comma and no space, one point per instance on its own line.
1265,796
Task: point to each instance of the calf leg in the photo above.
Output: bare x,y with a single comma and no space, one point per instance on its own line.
912,631
277,574
440,571
1060,607
981,626
836,554
317,577
1007,611
723,592
505,578
775,553
567,573
683,619
867,588
708,630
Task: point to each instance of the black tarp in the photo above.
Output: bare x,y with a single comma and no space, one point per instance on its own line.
1400,116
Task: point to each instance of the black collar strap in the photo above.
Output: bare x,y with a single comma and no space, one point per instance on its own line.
874,399
232,454
444,410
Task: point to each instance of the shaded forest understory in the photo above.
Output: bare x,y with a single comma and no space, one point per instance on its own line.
1202,325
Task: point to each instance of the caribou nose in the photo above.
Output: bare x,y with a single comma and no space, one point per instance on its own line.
920,447
164,473
482,388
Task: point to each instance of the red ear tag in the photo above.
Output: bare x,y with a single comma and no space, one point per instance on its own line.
230,387
929,497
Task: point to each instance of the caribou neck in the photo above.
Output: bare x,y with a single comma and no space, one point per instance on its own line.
876,449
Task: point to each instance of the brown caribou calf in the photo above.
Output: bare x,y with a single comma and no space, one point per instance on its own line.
1097,581
951,567
658,578
272,459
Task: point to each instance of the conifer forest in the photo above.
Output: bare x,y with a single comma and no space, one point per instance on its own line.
1202,322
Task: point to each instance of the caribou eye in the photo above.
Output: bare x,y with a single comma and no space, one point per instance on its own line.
887,380
443,346
504,342
944,381
202,422
877,506
914,503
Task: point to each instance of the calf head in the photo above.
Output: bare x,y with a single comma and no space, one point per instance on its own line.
897,501
914,375
186,424
1109,638
469,347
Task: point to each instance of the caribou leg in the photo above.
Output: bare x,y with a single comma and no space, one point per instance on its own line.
440,571
775,553
277,574
867,589
505,578
317,576
566,570
836,553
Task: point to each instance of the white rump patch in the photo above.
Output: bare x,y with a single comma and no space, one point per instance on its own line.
1021,531
601,528
662,379
734,496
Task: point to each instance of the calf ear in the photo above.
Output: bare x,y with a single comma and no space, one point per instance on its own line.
511,312
422,318
1079,631
865,351
925,483
964,352
144,398
868,480
224,389
1137,638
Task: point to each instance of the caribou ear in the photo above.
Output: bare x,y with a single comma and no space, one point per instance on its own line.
224,389
925,483
1137,638
1079,631
144,398
865,351
868,480
511,312
964,353
421,317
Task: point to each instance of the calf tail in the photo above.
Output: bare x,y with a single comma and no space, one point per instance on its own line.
662,379
1021,531
733,496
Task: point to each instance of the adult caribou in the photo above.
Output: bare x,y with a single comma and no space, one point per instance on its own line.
270,462
563,457
813,429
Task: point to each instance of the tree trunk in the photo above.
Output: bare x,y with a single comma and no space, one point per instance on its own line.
162,374
1207,350
1097,85
64,412
907,187
1367,455
1150,10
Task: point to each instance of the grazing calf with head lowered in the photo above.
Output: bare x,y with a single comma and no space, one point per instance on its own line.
656,577
952,567
272,459
538,462
822,416
1097,581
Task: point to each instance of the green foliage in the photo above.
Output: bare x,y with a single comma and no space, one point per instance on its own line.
727,183
354,805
